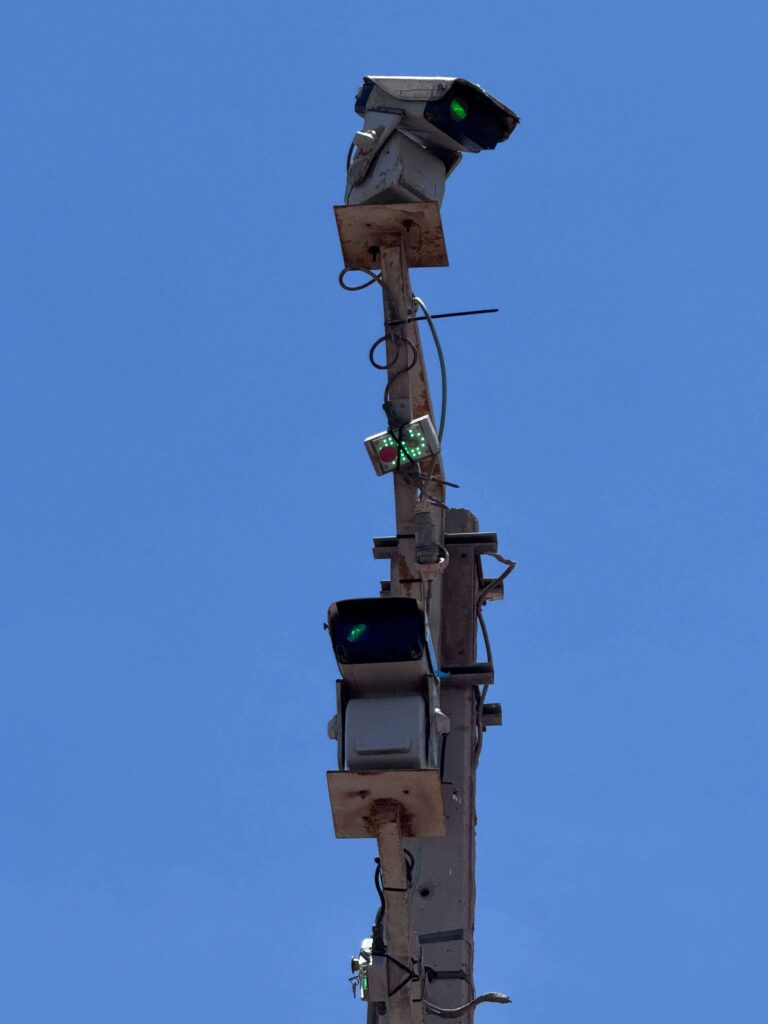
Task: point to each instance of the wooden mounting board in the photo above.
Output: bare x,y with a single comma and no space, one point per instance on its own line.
417,792
361,229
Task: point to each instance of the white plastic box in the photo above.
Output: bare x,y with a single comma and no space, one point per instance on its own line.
385,732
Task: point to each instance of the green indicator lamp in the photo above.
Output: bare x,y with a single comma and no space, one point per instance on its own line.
356,632
395,450
458,109
415,444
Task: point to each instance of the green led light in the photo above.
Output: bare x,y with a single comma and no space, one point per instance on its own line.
458,109
356,632
403,447
413,444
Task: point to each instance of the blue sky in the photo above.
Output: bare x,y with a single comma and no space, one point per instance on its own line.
184,393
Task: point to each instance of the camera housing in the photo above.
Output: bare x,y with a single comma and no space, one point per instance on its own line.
414,134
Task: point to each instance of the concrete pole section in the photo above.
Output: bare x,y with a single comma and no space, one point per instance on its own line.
442,898
394,880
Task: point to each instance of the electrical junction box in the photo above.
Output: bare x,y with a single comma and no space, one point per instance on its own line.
372,972
385,732
403,171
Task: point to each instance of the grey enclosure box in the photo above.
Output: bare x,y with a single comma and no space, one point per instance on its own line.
386,732
374,983
403,172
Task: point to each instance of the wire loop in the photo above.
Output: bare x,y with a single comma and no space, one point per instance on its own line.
372,349
374,279
400,340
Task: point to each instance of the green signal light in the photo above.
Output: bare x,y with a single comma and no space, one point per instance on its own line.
397,449
413,446
458,109
356,632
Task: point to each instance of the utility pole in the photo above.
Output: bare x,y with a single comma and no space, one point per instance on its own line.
415,796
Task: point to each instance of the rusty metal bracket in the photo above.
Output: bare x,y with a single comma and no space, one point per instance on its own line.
362,230
475,674
356,795
483,543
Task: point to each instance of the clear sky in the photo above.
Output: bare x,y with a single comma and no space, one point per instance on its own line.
184,394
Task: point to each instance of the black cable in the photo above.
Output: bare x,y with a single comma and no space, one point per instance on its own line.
459,1011
486,638
441,359
391,362
395,428
411,977
378,881
410,860
401,342
442,756
401,448
410,974
399,963
374,278
481,695
379,887
499,579
440,316
378,924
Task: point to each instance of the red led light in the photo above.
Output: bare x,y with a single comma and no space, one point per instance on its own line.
388,453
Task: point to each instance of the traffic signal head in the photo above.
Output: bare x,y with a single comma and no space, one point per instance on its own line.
415,132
